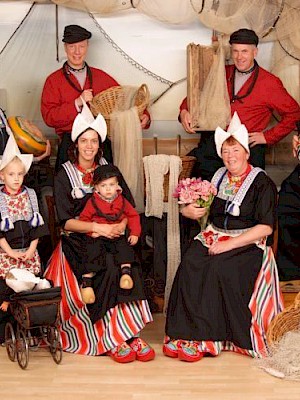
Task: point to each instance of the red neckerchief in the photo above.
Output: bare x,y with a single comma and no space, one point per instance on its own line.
4,190
237,181
87,173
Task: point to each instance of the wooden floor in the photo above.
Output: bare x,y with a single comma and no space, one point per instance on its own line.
229,377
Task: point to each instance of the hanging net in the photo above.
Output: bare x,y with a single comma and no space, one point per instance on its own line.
96,6
126,139
288,29
170,11
286,50
214,108
231,15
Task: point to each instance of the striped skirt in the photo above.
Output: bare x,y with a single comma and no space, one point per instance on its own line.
78,333
264,304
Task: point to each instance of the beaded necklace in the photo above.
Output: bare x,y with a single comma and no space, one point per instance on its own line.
67,73
235,182
77,69
87,173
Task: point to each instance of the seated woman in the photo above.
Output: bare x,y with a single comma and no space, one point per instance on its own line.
112,324
226,290
288,254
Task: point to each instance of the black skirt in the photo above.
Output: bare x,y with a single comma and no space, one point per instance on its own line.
210,295
106,282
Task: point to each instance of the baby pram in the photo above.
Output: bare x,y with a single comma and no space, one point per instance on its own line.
37,315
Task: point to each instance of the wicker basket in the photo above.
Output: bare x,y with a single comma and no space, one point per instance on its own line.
288,320
187,166
104,102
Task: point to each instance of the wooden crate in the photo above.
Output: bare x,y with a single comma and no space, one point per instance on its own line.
176,145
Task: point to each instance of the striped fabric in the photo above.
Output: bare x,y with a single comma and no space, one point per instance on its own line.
265,303
78,334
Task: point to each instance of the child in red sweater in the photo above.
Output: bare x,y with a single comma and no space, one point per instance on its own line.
108,205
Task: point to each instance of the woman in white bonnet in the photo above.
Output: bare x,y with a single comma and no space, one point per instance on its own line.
226,290
110,325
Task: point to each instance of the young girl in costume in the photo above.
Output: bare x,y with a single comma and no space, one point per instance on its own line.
21,224
108,205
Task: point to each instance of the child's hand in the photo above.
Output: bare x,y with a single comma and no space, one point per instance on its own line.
132,239
27,255
17,255
4,306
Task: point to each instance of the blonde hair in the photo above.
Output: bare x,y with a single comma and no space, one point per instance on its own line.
16,158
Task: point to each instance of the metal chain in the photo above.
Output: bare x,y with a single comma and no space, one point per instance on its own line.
128,58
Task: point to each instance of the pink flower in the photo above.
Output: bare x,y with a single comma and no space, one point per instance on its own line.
191,190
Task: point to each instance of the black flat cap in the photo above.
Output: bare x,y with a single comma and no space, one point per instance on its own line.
105,172
75,33
244,36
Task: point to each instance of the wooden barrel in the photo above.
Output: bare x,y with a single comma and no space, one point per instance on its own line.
28,136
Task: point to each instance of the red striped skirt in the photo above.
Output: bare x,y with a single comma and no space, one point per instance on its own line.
78,333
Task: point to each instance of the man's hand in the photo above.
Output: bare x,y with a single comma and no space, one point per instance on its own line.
186,120
86,95
296,143
144,121
256,138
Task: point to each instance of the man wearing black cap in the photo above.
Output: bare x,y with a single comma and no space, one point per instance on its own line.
255,94
65,88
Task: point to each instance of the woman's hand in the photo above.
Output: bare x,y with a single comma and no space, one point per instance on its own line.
193,211
220,247
45,154
110,231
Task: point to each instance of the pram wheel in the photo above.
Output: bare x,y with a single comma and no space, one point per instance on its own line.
10,341
53,338
22,349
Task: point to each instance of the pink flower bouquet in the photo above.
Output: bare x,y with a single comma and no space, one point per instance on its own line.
195,190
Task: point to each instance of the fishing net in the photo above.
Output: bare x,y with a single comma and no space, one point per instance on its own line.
214,106
231,15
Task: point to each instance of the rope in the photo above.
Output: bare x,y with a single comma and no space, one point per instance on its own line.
18,27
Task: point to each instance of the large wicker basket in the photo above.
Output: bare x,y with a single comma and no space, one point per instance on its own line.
187,166
288,320
105,102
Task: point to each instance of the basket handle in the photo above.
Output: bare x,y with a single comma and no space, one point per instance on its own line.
145,89
297,300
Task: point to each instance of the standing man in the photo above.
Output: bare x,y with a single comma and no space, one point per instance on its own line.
65,88
255,94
